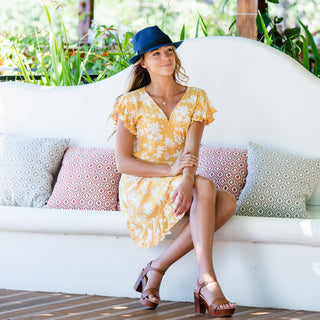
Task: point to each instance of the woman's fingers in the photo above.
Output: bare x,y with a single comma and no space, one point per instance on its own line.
174,196
183,204
186,159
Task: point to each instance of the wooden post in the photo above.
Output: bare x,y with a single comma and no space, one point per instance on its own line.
246,18
85,18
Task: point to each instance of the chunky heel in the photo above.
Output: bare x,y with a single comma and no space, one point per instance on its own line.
199,306
138,285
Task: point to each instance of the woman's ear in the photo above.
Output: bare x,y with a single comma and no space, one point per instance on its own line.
143,64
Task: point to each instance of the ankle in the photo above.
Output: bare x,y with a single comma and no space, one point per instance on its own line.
207,277
157,263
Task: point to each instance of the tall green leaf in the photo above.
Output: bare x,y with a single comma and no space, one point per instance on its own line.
24,68
264,29
314,49
197,28
262,21
164,15
183,33
203,26
234,23
305,52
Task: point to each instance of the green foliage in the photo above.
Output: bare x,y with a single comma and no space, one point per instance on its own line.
290,41
62,62
183,32
122,52
287,41
20,17
315,51
305,53
201,24
262,24
50,52
169,15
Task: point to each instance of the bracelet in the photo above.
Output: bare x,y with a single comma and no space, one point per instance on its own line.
190,175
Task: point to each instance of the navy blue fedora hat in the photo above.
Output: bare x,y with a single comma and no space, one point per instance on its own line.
148,39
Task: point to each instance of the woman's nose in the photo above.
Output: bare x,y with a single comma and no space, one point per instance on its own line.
166,56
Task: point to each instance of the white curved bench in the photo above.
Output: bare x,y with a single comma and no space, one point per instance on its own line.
262,95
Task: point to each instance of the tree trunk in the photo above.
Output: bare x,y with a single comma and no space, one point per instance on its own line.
85,18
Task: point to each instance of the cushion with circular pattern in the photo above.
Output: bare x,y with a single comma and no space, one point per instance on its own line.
278,184
28,167
88,179
226,167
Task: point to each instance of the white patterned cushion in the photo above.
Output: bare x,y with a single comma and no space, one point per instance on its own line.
278,184
27,169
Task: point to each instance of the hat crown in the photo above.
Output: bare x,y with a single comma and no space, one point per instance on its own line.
149,38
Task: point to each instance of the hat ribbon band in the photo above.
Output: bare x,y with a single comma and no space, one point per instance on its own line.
159,42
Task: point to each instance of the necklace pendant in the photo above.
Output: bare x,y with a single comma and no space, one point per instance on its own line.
164,103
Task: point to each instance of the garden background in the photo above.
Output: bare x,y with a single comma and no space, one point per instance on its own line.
46,42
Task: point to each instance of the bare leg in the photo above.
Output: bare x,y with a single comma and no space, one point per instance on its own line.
202,222
225,205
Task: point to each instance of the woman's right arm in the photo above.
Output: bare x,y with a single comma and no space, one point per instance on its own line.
128,164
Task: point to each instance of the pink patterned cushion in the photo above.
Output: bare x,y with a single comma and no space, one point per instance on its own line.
88,179
226,167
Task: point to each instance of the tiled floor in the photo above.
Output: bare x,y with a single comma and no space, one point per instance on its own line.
16,305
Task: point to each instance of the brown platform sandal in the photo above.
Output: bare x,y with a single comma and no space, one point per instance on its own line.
201,304
141,284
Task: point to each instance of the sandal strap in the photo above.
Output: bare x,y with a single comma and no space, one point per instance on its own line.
149,268
150,291
216,303
204,284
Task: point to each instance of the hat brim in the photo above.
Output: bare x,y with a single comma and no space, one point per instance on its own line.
135,58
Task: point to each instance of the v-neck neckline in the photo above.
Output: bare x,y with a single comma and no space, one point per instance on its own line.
159,108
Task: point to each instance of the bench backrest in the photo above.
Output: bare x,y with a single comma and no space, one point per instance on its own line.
261,95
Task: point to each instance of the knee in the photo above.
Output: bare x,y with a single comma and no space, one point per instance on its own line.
228,202
232,204
205,187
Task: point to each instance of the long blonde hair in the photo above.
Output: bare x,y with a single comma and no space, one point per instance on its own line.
139,76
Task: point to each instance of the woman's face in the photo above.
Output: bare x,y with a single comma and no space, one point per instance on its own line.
160,61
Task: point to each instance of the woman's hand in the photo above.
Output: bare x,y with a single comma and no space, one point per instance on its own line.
186,159
183,196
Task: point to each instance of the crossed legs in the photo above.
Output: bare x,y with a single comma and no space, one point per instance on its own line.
210,210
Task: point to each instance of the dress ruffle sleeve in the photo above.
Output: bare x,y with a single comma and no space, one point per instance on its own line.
125,109
204,110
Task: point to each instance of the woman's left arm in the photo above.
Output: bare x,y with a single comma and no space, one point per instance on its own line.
184,193
192,144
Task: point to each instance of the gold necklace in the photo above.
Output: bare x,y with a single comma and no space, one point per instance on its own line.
162,100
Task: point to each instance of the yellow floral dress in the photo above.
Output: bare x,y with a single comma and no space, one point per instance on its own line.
146,201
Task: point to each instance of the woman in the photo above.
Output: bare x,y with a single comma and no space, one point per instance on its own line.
159,129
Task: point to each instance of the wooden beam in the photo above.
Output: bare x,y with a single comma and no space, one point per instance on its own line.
86,9
246,18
